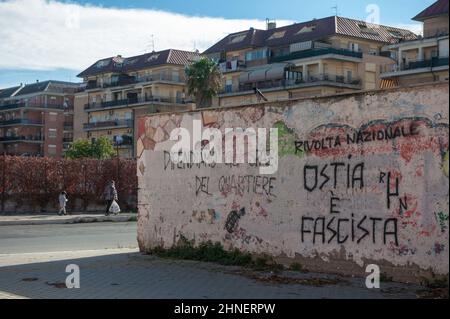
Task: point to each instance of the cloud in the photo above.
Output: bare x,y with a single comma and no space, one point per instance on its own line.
46,35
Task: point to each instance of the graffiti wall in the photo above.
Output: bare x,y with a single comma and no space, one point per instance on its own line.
361,178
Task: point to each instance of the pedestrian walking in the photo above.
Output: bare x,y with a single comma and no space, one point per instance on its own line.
62,203
110,195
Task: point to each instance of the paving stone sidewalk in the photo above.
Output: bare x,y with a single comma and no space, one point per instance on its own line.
125,273
41,219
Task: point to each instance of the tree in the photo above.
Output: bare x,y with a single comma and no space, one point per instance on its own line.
102,148
204,81
79,149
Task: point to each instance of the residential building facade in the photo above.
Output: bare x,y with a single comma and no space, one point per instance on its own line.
424,59
117,89
319,57
37,119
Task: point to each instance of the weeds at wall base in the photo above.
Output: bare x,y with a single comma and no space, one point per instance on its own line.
214,252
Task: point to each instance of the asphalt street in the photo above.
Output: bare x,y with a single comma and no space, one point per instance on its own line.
49,238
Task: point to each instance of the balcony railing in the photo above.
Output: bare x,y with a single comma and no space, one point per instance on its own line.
36,105
11,106
21,122
417,64
106,124
131,101
316,52
434,62
67,140
283,83
29,138
129,81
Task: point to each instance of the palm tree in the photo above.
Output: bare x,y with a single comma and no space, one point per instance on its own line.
204,81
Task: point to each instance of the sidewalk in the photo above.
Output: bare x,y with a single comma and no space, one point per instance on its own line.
68,219
126,273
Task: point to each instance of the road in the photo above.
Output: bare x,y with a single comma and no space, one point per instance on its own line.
49,238
33,261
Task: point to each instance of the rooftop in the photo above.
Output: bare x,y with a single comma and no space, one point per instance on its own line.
33,88
8,92
309,31
438,8
119,64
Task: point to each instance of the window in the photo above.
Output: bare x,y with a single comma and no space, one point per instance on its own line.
353,47
53,116
349,76
130,61
52,149
153,57
256,55
101,64
175,75
277,35
238,37
229,86
366,29
307,29
52,133
395,34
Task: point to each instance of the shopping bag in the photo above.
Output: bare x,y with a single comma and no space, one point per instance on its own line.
115,209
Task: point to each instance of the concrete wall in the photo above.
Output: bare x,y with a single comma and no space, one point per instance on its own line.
362,178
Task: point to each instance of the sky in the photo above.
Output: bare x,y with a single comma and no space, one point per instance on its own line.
43,39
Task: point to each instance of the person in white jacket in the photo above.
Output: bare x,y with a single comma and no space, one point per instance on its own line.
62,203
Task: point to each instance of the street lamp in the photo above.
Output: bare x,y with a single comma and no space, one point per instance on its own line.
118,142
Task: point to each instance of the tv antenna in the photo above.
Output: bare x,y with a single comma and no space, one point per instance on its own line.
336,12
151,45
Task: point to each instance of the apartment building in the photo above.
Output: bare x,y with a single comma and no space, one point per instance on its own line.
118,89
323,56
424,59
37,119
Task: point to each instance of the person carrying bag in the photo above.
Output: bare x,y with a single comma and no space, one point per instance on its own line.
110,195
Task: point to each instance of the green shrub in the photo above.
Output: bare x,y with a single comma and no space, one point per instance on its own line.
214,252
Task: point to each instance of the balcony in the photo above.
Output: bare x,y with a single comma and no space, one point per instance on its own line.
160,77
67,140
11,106
22,138
231,66
32,105
316,52
108,124
313,80
416,66
431,63
133,101
21,122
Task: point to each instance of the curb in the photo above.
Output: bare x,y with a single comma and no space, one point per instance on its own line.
74,220
7,295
